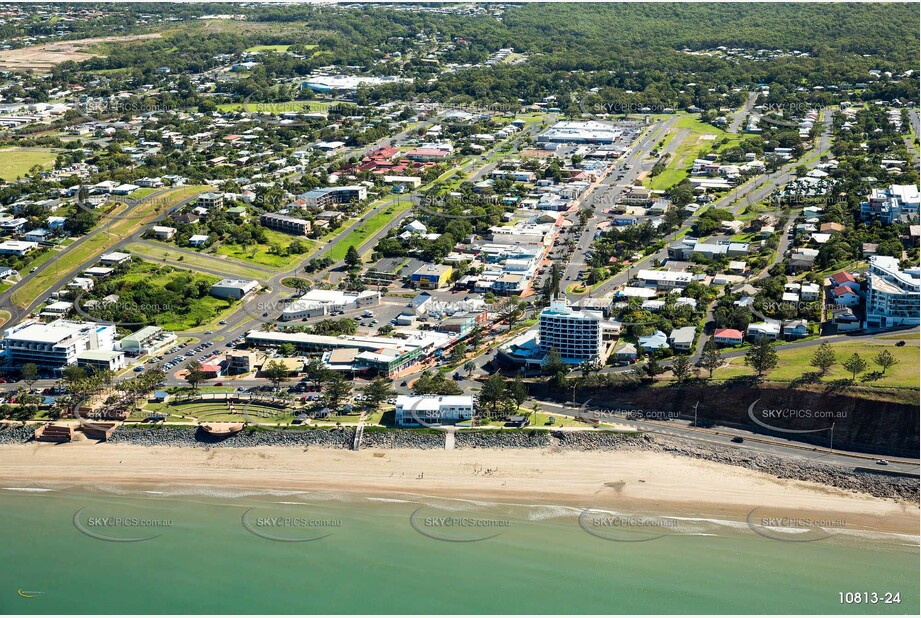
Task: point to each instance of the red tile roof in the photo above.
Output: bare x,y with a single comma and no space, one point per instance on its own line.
727,333
841,290
843,277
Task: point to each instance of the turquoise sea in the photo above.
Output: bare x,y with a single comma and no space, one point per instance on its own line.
79,550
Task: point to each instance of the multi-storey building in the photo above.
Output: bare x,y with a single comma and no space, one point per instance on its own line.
893,295
55,345
897,203
433,409
284,223
575,334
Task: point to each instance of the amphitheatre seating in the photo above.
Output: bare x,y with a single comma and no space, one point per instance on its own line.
54,433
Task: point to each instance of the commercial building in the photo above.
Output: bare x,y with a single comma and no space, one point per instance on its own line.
433,410
112,360
432,276
148,340
892,294
284,223
233,288
575,334
384,355
54,345
581,132
664,279
326,302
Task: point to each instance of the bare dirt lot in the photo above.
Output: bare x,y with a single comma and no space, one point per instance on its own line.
43,57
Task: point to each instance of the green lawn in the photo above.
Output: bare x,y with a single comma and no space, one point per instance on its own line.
259,254
77,256
201,310
793,363
160,251
367,229
16,162
682,159
272,48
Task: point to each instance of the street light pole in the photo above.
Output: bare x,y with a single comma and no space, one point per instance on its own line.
695,413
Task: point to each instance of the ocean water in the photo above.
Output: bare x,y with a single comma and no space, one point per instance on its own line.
111,550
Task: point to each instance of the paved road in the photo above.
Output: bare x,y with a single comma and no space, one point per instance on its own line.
738,117
753,191
607,192
754,442
18,313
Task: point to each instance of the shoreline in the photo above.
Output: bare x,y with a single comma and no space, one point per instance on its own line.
633,481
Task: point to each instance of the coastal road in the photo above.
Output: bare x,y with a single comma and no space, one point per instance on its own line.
754,442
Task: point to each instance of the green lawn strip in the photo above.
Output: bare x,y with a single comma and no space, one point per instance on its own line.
99,242
367,229
793,363
230,267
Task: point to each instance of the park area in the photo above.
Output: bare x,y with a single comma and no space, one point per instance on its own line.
16,162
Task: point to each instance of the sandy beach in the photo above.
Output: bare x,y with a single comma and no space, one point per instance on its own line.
639,482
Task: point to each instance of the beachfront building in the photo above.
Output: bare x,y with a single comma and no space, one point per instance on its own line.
575,334
433,410
55,345
892,294
386,356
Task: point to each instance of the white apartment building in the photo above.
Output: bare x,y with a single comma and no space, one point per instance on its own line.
56,344
893,295
577,335
433,409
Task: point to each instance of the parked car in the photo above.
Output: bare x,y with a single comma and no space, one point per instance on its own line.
738,439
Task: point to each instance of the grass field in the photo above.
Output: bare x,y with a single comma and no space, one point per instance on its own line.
793,363
219,411
16,162
367,229
259,253
161,251
200,311
682,159
98,242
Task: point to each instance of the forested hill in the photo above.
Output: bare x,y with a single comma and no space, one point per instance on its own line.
887,30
